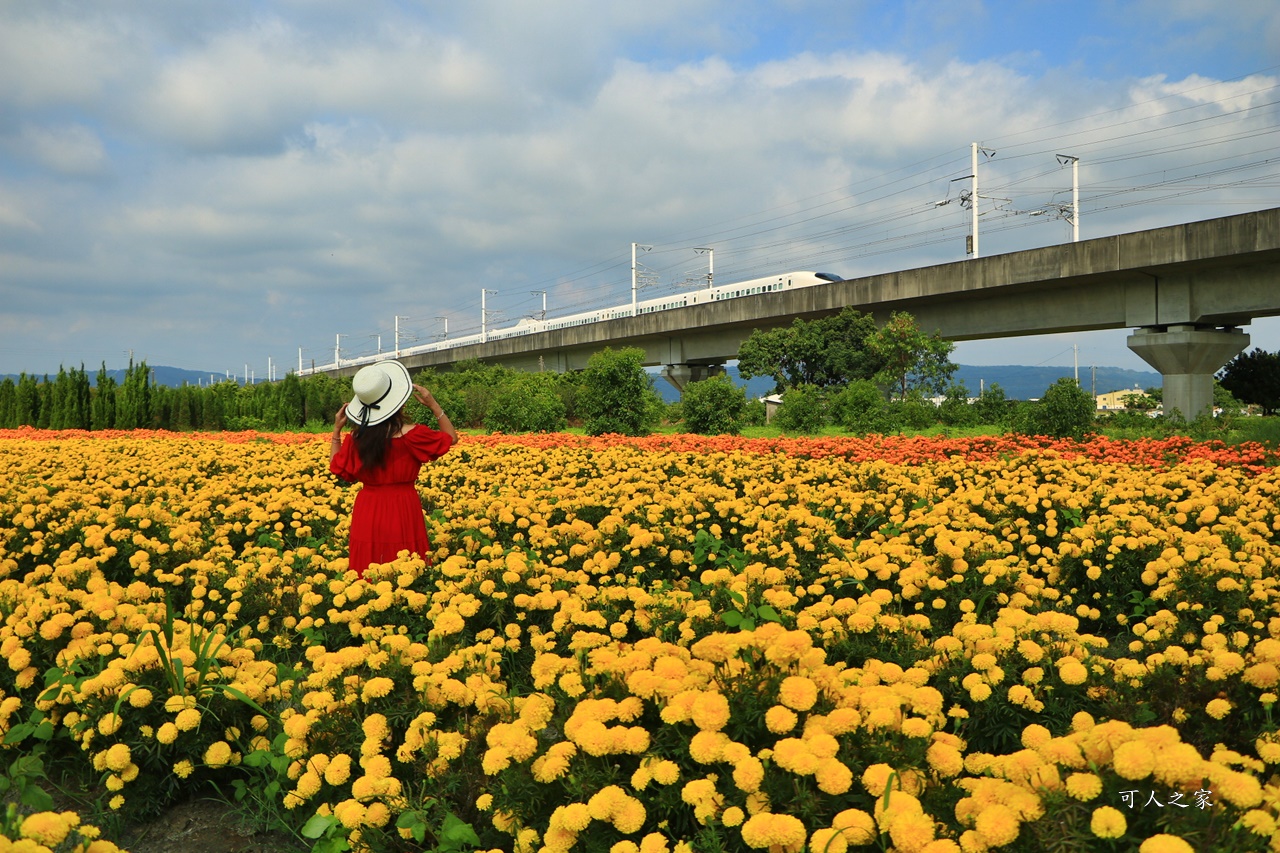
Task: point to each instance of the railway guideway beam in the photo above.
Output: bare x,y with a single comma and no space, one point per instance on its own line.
680,375
1187,356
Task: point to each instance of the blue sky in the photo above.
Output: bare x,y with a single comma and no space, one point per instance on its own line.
210,186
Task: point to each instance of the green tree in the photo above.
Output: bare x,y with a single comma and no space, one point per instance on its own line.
1065,411
133,402
78,407
803,410
617,394
1254,378
827,352
861,409
27,404
714,406
955,409
913,361
527,403
102,413
992,407
8,404
291,406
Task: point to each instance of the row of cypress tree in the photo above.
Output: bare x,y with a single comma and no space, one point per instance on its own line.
71,401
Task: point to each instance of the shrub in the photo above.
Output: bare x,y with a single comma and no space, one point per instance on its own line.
528,403
617,394
860,408
714,406
804,409
955,409
915,412
1065,411
992,407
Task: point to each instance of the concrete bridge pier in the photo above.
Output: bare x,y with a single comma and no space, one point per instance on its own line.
681,375
1187,356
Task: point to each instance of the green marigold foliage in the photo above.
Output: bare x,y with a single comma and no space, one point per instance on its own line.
714,406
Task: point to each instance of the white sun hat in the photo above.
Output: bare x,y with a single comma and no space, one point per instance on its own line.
381,390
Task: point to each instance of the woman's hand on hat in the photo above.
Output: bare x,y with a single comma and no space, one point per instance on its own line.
340,419
423,395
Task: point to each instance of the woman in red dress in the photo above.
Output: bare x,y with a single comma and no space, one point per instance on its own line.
386,454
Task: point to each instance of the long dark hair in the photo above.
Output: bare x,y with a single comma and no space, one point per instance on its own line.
372,441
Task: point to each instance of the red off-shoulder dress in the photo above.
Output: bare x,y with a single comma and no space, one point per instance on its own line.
387,517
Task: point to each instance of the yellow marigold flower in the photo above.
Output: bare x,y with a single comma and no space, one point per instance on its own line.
833,776
1133,760
1084,786
48,828
183,768
798,693
997,825
140,697
733,816
855,826
1072,672
218,754
1035,736
116,802
828,841
748,774
1258,822
187,719
710,712
765,830
945,759
1108,822
339,769
665,772
376,688
912,831
574,817
1081,721
1218,708
780,719
1165,843
916,727
707,747
118,757
875,779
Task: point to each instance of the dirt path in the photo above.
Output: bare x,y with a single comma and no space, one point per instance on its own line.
205,826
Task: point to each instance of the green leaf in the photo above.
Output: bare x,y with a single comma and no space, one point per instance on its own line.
37,798
733,618
768,614
19,733
318,825
257,758
457,832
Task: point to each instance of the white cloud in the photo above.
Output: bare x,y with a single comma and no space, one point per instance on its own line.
72,150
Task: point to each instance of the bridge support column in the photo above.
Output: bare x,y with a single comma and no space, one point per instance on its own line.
681,375
1187,357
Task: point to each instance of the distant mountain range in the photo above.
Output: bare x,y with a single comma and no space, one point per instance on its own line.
1017,381
172,377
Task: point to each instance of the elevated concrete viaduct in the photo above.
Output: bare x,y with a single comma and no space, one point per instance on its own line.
1185,290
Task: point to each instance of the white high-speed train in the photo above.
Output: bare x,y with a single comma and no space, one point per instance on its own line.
529,326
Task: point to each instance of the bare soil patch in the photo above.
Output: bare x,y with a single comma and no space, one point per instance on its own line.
205,826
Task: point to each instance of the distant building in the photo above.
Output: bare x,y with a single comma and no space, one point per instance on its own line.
1114,401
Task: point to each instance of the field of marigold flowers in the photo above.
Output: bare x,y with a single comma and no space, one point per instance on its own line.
647,645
